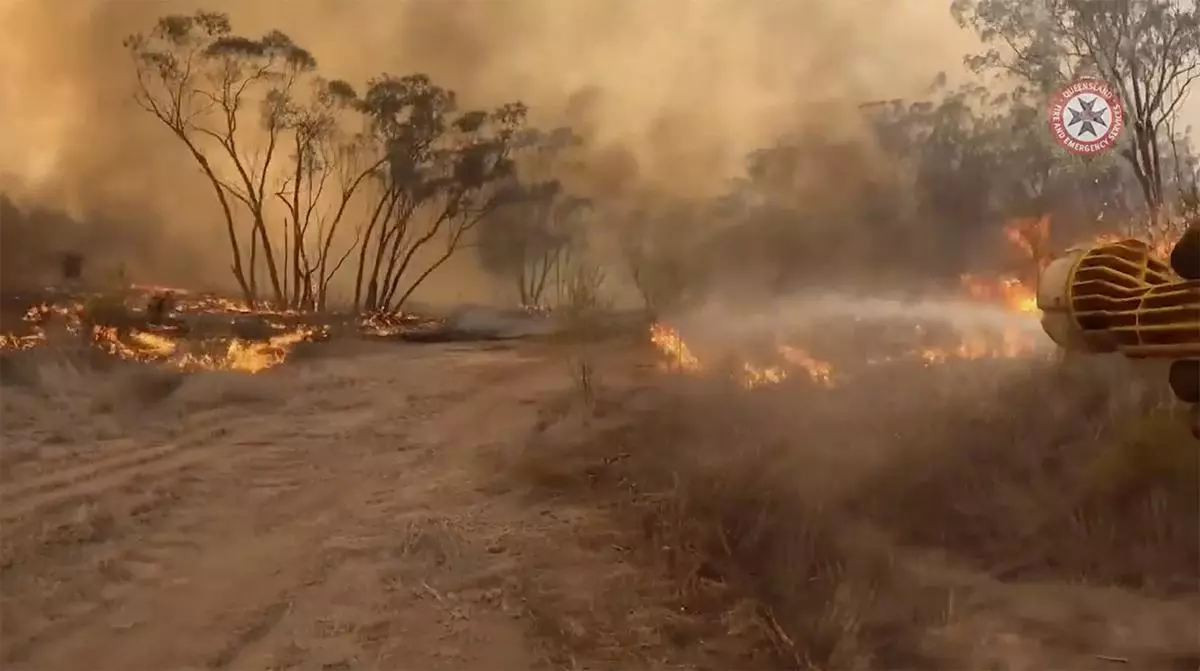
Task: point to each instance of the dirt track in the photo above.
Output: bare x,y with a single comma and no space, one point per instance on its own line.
326,515
363,509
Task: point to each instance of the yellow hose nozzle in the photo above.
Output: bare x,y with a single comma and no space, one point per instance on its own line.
1118,298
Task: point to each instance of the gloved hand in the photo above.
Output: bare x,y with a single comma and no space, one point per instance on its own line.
1185,257
1184,378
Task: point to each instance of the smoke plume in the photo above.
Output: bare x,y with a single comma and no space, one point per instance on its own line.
670,94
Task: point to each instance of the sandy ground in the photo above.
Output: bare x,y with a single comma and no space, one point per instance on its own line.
330,514
355,510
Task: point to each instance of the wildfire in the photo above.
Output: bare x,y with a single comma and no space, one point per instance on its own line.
236,355
168,347
1011,344
1009,293
820,371
1030,235
670,343
1012,294
795,361
386,325
754,376
679,357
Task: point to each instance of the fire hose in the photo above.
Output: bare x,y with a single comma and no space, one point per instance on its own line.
1118,298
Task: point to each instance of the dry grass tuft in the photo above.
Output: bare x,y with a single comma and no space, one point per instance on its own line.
755,569
813,529
1059,485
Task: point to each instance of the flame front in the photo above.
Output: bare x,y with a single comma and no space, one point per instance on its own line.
1010,293
239,354
670,343
236,354
678,356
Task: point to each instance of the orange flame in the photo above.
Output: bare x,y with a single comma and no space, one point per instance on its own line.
236,354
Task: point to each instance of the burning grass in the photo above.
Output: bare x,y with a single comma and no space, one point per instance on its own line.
831,362
911,340
181,330
899,515
112,328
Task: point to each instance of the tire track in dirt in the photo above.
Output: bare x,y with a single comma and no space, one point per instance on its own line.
132,557
148,562
297,573
58,594
107,471
101,491
286,524
167,461
93,521
361,545
406,528
247,540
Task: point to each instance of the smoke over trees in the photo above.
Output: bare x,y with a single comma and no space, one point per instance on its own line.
542,230
428,171
1148,49
360,192
973,157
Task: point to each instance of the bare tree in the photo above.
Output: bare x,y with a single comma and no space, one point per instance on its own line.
200,79
328,168
443,172
531,240
658,243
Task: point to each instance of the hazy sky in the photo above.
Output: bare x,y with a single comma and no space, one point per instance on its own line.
687,87
712,78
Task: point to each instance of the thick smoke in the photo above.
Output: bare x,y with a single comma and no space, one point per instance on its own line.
671,94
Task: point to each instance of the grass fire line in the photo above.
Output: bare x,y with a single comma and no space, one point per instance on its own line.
171,347
786,360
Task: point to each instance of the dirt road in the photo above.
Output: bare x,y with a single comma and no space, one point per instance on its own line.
452,507
329,514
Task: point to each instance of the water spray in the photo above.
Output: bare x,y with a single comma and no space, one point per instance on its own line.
1118,298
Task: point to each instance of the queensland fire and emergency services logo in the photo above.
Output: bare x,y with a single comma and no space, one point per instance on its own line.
1086,116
